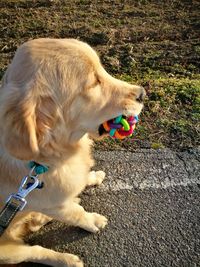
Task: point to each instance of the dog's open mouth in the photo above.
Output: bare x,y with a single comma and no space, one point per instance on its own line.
102,131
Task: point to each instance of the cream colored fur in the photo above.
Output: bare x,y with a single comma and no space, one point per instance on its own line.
54,93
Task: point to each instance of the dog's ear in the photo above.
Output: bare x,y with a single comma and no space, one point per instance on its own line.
48,116
18,123
27,122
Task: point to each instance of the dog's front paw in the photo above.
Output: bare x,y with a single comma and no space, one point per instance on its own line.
70,260
96,177
94,222
100,176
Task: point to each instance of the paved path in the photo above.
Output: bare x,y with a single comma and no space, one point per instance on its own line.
152,201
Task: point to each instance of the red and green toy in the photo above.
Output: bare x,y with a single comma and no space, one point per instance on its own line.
121,127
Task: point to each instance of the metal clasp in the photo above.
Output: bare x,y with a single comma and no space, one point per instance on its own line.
28,184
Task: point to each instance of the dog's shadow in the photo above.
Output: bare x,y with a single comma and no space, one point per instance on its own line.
56,236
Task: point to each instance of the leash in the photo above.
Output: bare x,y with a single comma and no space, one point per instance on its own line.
16,202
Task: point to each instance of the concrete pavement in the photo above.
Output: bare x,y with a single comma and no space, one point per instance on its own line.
152,201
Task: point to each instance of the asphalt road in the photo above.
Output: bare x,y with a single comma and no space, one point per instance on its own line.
152,201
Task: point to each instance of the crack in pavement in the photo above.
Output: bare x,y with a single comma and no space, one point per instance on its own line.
149,169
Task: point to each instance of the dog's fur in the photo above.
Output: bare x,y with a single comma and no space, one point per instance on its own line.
53,94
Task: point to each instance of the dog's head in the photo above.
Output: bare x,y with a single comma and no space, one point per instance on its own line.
106,99
50,99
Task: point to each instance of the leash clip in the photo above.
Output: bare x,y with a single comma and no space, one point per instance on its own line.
28,184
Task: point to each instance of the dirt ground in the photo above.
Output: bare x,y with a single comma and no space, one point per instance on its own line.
149,42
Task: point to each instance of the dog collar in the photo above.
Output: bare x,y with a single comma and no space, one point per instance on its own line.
38,168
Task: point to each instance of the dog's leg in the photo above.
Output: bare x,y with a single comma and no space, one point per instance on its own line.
37,220
74,214
77,200
25,223
95,178
13,250
13,253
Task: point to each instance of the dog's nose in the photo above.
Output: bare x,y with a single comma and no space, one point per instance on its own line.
142,95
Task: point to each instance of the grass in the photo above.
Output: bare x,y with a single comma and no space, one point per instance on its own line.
145,41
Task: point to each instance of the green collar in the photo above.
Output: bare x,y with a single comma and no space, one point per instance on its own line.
38,168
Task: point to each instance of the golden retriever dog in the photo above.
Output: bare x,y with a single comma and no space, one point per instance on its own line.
54,95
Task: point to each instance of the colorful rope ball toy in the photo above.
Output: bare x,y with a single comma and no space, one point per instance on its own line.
120,127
